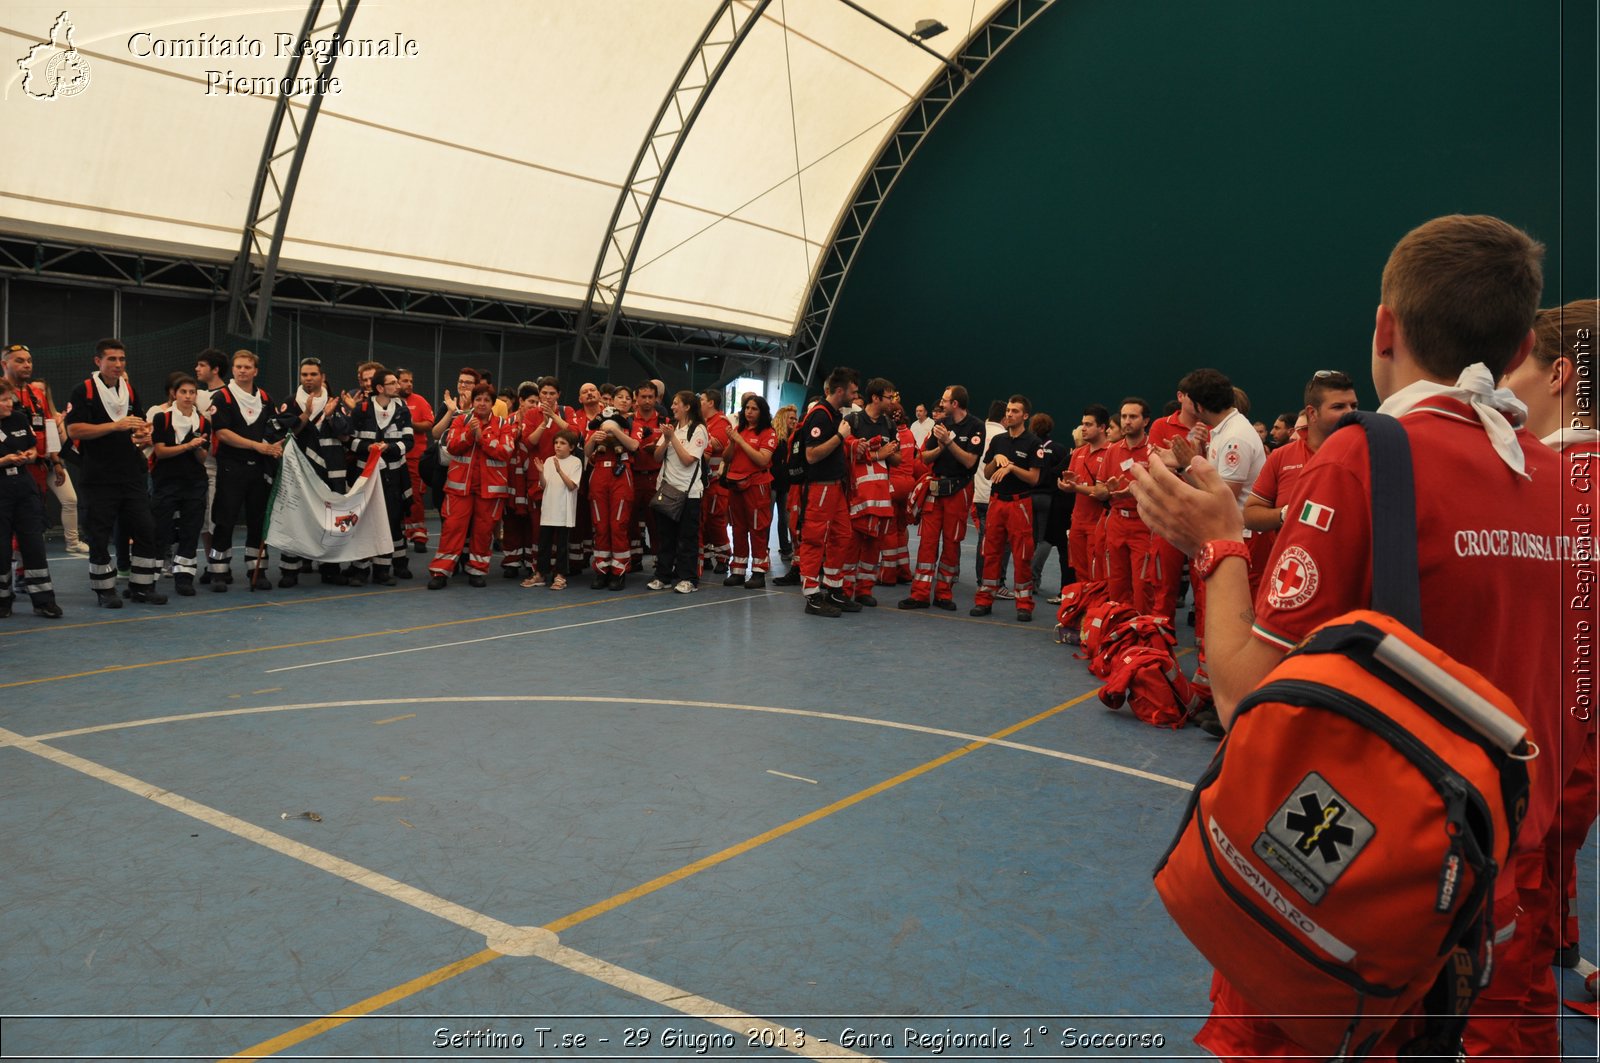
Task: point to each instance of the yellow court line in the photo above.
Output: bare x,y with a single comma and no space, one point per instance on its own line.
183,615
365,1007
315,642
312,1029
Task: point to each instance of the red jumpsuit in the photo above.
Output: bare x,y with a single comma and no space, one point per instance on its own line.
1010,522
416,527
750,502
1127,537
475,490
646,468
610,502
519,533
871,515
1163,563
714,513
1086,539
944,520
895,563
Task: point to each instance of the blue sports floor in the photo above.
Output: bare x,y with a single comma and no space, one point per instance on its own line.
581,824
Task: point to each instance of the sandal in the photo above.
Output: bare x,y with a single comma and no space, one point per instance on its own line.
535,580
559,583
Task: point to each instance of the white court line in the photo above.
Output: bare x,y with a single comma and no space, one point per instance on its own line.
963,736
796,778
500,936
519,634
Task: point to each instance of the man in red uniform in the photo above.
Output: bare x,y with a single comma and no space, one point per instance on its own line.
476,487
714,513
1329,396
1012,465
646,468
1127,537
1459,295
1553,383
825,529
1162,569
954,446
416,527
873,450
580,547
1084,473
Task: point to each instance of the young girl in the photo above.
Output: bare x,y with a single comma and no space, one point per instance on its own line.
180,435
558,512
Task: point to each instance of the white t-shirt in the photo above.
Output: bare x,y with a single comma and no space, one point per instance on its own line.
920,430
675,472
560,506
1236,451
980,483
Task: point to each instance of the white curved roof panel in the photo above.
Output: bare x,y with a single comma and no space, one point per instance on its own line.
481,151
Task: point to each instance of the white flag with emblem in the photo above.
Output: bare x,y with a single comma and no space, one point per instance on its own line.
309,519
1319,517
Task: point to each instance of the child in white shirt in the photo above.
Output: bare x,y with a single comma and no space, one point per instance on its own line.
558,513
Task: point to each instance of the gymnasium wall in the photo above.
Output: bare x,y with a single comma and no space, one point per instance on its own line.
1135,189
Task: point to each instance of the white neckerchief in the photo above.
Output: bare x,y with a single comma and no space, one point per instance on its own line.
1568,438
1500,411
318,404
115,402
183,425
384,414
249,405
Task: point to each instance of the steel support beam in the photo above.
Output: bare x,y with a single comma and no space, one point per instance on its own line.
279,174
602,306
83,265
833,268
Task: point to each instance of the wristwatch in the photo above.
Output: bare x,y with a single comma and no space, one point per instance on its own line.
1212,553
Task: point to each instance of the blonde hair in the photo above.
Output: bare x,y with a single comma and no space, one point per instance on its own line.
783,421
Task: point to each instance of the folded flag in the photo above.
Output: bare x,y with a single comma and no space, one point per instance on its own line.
307,518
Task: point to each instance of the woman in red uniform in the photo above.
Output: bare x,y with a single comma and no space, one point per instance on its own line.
476,488
749,480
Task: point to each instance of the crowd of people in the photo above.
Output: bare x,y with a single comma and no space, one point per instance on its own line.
1266,521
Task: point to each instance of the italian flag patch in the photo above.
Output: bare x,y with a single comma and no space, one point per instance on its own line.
1319,517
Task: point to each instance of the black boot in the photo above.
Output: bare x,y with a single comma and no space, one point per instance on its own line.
819,604
184,585
48,610
149,595
111,600
382,576
288,578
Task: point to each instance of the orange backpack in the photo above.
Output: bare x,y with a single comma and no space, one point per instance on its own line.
1338,857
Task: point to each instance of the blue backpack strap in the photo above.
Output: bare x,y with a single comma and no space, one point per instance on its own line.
1396,584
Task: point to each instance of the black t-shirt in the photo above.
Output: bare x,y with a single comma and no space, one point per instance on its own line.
226,414
1053,459
111,459
967,434
16,435
822,421
1023,450
179,467
864,427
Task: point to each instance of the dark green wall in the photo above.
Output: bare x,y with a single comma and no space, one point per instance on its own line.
1137,188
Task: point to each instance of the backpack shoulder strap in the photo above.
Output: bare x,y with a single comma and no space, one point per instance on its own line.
1396,587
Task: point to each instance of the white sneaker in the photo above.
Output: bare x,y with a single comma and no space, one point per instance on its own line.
79,548
1005,592
1055,600
656,585
684,587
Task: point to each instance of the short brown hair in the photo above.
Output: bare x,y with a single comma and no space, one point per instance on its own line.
245,354
1464,289
483,387
1568,332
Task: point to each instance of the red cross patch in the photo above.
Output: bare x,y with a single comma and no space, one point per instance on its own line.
1294,580
816,433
